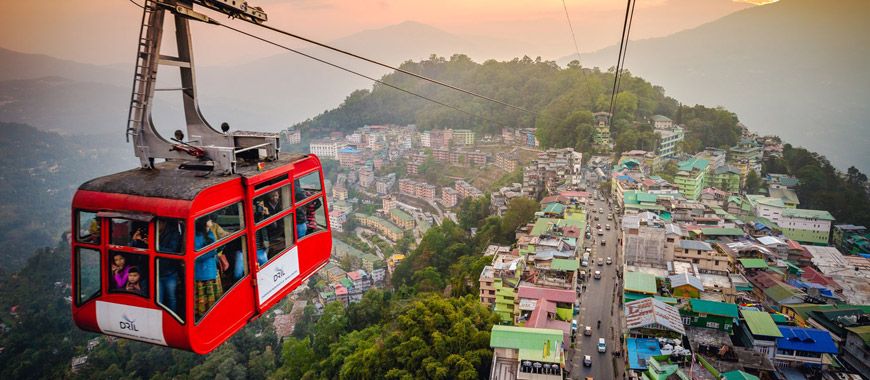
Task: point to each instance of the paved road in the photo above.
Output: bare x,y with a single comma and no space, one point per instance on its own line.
598,302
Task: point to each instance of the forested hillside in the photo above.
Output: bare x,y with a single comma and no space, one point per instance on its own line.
563,100
39,172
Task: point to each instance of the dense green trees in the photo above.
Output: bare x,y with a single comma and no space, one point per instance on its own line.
424,337
822,187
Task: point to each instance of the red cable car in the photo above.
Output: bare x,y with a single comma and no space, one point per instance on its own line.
185,252
166,256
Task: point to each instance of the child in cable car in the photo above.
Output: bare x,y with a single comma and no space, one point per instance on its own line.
135,282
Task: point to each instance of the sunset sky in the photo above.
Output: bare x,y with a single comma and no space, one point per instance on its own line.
104,31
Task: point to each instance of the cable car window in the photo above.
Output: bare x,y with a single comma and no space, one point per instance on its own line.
170,286
128,273
128,233
89,227
170,235
216,271
87,274
274,239
219,224
310,218
271,203
307,186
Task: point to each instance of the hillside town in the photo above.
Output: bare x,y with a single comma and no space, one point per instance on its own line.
697,266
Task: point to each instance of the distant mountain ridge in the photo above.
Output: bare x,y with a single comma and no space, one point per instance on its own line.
795,68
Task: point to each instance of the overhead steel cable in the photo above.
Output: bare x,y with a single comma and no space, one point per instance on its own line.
323,61
577,49
622,43
625,50
403,71
422,77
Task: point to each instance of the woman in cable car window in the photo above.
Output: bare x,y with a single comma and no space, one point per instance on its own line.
206,280
120,271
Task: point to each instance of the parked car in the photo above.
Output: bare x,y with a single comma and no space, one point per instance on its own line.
600,261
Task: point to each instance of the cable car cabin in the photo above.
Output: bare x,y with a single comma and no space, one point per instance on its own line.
170,257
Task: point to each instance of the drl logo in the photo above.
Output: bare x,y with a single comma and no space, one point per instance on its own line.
128,324
279,273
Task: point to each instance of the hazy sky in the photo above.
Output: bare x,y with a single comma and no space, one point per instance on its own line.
104,31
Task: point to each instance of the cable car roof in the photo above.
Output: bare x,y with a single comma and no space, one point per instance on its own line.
166,180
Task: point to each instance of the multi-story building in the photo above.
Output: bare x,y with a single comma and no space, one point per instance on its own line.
337,220
506,161
449,197
389,202
670,137
703,255
747,151
463,137
851,239
366,177
407,187
339,192
325,148
384,184
402,219
551,169
725,177
661,122
441,155
601,138
766,207
292,136
690,177
425,191
465,190
476,158
386,228
349,156
801,347
806,226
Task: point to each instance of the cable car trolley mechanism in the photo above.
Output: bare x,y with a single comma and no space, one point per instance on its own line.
210,232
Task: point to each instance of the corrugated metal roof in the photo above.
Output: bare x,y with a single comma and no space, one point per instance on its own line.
682,279
695,244
713,308
808,340
649,312
640,282
753,263
529,341
760,323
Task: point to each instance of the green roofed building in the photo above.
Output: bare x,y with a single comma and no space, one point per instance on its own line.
759,331
753,263
722,232
691,177
564,264
806,226
513,345
710,314
639,282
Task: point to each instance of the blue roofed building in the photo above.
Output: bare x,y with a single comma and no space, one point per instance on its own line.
804,347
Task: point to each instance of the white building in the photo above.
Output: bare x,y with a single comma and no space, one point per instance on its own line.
325,149
337,219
